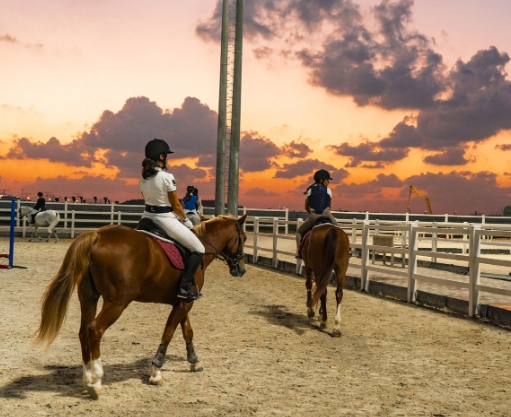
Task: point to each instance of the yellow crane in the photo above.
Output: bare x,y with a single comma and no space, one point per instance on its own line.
425,197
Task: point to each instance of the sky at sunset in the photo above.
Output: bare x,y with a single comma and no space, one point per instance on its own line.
383,94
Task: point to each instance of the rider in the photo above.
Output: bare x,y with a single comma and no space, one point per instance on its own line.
191,203
39,206
163,207
318,201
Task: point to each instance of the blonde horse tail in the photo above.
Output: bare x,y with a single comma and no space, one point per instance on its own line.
59,290
329,251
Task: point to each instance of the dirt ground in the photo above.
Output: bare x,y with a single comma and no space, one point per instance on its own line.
260,353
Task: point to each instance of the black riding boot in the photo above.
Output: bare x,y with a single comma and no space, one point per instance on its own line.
185,288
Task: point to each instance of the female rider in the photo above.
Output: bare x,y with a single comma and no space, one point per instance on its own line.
191,203
163,207
318,201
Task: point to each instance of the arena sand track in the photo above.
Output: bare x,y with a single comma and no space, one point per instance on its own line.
261,356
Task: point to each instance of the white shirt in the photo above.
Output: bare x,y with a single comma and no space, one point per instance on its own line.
156,189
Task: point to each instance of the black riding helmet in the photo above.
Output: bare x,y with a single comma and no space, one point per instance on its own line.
190,189
322,175
155,147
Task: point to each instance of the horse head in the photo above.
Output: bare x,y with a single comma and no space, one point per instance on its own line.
229,241
23,211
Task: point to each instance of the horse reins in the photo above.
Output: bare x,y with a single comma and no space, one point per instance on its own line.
221,254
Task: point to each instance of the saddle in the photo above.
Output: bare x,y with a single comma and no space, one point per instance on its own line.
319,221
176,253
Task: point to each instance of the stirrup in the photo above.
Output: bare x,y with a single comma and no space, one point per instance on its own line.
190,295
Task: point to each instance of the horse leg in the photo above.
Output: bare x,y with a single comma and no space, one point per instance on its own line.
178,313
191,357
88,307
336,332
95,330
308,286
323,316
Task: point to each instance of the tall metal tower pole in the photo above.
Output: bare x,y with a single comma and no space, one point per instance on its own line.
222,112
234,154
229,108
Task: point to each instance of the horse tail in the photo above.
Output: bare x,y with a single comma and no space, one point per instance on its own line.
59,290
329,250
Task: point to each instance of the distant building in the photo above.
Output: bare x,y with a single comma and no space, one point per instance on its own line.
507,211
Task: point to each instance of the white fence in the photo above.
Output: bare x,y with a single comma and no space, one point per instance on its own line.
269,233
467,239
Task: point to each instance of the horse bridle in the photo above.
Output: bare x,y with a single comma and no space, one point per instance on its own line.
221,254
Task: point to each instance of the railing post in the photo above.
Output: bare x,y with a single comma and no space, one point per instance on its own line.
434,243
18,206
118,217
275,233
465,240
364,261
65,214
256,239
367,215
412,261
407,217
244,224
287,219
24,227
353,236
112,213
474,270
446,218
72,224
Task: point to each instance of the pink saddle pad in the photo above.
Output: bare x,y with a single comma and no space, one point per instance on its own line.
172,253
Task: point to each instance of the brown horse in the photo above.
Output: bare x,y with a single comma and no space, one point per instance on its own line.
324,249
123,265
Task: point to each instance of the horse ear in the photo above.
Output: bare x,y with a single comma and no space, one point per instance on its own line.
242,219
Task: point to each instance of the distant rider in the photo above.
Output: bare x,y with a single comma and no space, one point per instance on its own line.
162,206
318,200
39,206
191,203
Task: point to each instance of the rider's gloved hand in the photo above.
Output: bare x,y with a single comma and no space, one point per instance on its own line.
187,223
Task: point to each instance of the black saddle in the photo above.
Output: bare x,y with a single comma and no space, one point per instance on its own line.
147,225
322,220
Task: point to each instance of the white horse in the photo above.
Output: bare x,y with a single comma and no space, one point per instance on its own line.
48,218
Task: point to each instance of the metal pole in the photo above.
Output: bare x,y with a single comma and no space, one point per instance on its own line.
232,199
222,112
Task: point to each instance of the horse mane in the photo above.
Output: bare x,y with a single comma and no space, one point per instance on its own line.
200,229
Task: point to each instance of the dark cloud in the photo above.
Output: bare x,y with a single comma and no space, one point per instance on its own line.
367,151
504,147
296,150
260,192
371,188
73,153
388,65
190,131
256,153
454,156
308,167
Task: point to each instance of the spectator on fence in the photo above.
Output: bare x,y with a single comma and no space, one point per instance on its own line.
162,206
39,206
318,200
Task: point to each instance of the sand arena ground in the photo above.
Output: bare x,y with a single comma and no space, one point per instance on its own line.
260,353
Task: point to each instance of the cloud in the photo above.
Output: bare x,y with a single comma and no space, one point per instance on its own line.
371,188
308,167
260,192
256,153
503,147
189,130
14,41
8,38
448,157
367,151
296,150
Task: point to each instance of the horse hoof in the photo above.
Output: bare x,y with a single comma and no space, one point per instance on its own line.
156,381
196,367
336,333
310,312
93,392
322,324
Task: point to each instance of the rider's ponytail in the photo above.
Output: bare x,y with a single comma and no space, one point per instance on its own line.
149,168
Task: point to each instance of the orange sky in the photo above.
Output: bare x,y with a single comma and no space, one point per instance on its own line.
70,62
